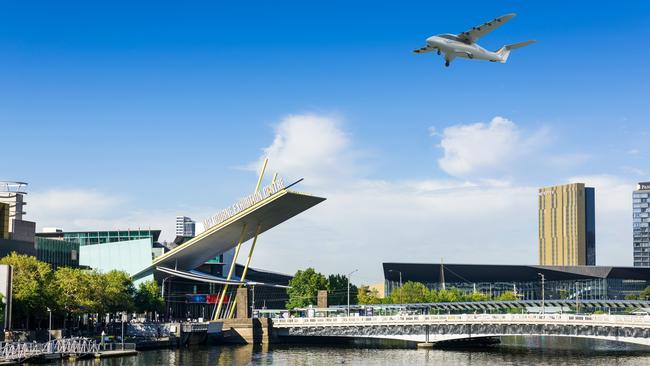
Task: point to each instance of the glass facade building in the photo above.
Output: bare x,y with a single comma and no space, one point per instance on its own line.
129,256
641,225
568,282
185,227
567,225
58,253
67,248
103,237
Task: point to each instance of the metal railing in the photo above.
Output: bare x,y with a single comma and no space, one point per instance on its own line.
17,351
607,320
116,346
194,327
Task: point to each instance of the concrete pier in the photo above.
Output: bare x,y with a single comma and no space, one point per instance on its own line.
245,331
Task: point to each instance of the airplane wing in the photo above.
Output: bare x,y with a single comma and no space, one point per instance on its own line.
475,33
424,49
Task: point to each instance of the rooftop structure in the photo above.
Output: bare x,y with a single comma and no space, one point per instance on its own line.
102,237
561,282
249,217
12,193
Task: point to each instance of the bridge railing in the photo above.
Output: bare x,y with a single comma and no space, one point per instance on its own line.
627,320
10,351
194,327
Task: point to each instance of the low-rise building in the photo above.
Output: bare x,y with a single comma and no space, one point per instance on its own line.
567,282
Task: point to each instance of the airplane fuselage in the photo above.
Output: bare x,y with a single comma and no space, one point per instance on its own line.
452,47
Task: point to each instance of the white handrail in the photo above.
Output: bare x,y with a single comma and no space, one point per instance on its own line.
617,320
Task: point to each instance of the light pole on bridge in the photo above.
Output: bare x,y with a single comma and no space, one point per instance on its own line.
349,289
49,330
543,308
577,299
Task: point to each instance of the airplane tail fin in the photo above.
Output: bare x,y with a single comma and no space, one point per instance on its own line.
504,51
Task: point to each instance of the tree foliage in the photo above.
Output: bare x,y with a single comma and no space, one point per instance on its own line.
148,298
409,293
507,296
32,285
74,295
366,296
304,288
114,291
337,290
643,295
74,291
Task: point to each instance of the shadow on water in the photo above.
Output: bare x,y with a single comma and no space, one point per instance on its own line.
512,351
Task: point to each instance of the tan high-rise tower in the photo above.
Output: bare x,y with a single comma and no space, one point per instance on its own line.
567,225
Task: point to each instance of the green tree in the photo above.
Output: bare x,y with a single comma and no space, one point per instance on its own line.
410,293
148,298
476,296
73,290
32,289
564,294
366,296
446,295
114,290
337,290
304,287
507,296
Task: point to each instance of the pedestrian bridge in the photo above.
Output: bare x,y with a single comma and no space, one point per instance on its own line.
441,328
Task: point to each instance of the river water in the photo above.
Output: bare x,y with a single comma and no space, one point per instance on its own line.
520,351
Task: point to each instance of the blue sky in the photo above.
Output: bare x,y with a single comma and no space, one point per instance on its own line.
120,114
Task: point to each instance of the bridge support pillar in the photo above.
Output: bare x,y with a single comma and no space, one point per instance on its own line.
321,301
245,331
426,344
242,303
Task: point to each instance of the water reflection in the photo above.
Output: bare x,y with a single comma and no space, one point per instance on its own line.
514,351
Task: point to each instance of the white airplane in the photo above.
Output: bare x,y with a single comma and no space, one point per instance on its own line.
464,44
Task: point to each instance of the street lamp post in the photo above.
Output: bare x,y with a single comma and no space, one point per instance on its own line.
577,299
49,329
349,290
543,308
162,294
123,319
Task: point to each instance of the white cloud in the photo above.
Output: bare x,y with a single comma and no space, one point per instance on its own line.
365,222
478,215
309,146
485,148
635,171
83,209
474,217
72,202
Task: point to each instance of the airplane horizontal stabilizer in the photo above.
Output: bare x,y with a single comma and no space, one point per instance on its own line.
504,51
519,45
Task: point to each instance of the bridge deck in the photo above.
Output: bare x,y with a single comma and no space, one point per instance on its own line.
442,328
568,319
